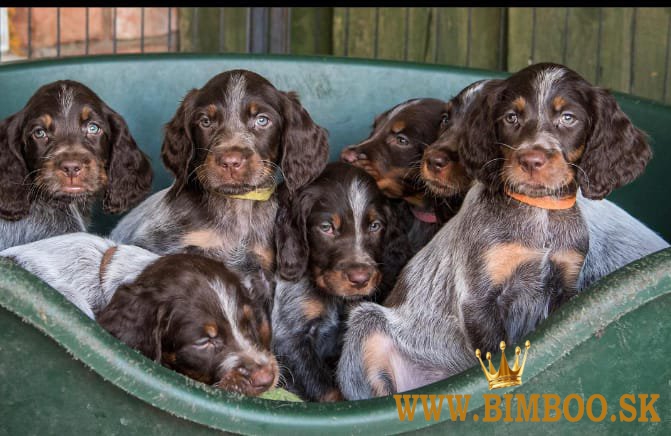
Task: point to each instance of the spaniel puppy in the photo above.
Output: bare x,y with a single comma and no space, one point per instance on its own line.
56,154
615,237
391,154
331,242
514,251
187,312
224,145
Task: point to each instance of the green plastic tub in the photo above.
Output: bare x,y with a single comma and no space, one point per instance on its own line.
60,373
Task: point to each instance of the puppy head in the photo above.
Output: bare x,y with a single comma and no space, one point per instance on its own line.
546,131
66,145
193,315
231,135
392,152
335,230
441,171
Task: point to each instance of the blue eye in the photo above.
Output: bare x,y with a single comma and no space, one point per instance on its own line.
568,118
39,133
375,226
262,121
326,227
92,129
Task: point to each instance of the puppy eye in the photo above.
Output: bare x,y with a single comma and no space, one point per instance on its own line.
402,139
205,122
93,129
375,226
203,342
511,118
262,121
444,119
567,118
39,133
326,227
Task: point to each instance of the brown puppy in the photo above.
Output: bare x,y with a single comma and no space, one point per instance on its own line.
57,154
189,313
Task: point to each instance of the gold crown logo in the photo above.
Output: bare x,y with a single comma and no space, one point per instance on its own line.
504,377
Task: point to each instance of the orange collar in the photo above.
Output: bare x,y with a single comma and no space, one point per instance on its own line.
547,202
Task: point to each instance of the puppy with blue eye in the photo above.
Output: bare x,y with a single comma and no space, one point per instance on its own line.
333,239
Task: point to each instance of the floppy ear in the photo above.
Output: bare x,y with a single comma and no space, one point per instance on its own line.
129,170
14,183
477,139
291,242
305,147
396,252
178,149
134,319
616,152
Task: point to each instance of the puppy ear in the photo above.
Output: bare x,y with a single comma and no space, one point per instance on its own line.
396,253
178,149
616,152
291,242
305,147
14,194
477,139
129,170
134,319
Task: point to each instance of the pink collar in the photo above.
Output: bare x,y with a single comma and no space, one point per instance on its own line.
424,216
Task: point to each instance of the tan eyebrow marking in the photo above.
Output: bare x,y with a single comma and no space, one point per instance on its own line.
519,103
558,103
86,113
211,110
46,120
253,109
398,126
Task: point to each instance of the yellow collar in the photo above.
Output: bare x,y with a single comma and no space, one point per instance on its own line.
257,195
547,202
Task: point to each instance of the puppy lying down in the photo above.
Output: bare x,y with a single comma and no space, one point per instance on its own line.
187,312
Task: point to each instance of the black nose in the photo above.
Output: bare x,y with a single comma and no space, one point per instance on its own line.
436,161
358,276
532,160
351,155
231,159
71,168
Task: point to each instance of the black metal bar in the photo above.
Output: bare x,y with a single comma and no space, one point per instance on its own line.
502,36
114,43
564,54
169,28
58,32
666,63
406,37
532,55
376,29
221,30
30,33
346,46
141,30
86,47
249,30
632,55
468,37
195,27
598,48
435,46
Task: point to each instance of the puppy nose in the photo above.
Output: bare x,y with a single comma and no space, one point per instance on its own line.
358,276
262,378
436,161
532,160
350,155
231,159
71,168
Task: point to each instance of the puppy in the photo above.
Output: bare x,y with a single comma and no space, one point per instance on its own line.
615,237
331,239
391,154
518,242
56,154
187,312
224,145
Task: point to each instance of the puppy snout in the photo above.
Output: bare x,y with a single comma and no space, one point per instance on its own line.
351,155
231,159
71,168
262,378
532,160
436,161
359,275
